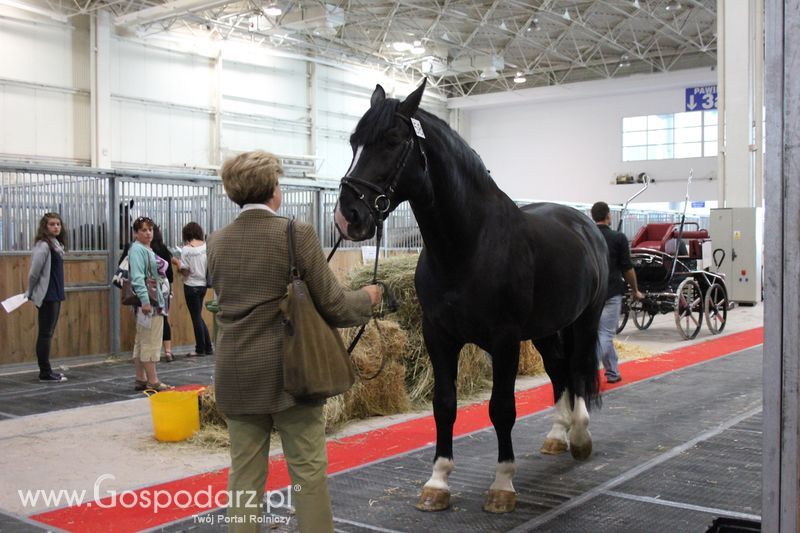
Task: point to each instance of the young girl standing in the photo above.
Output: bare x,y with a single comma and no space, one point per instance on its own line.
46,288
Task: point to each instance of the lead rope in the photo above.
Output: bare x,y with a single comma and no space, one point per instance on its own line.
378,238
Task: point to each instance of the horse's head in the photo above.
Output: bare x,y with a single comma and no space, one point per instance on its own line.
387,156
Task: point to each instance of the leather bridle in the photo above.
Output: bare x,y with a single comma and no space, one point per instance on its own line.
383,196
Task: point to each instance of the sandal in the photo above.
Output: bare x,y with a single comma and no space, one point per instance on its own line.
139,385
159,387
168,357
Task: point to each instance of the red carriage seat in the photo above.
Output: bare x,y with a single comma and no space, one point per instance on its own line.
694,240
653,236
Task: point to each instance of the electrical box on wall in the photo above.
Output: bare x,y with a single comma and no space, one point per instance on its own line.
737,236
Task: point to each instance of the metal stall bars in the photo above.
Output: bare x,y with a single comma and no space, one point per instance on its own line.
79,196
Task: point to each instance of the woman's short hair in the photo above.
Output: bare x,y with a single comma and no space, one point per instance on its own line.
251,177
192,231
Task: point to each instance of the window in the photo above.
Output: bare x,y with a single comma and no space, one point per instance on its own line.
675,136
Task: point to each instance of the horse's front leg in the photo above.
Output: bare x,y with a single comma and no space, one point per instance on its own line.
443,353
502,498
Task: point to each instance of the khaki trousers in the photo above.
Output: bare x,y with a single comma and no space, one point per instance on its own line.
302,432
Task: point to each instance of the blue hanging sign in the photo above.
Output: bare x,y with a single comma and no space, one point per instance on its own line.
698,204
701,98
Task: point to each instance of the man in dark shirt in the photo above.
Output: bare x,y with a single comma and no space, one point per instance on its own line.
620,271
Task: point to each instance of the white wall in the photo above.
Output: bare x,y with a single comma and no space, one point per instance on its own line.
44,89
565,143
176,102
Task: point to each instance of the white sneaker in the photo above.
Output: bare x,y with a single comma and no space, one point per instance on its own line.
54,377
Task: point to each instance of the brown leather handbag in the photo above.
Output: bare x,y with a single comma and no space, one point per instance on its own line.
316,364
129,296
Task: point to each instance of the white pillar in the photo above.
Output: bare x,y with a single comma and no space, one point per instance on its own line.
740,65
100,72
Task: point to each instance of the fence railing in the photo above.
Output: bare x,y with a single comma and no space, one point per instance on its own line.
98,208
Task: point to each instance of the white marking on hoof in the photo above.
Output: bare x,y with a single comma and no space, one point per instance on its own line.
503,476
441,471
580,440
561,424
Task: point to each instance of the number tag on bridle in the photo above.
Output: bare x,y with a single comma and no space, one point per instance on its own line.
417,128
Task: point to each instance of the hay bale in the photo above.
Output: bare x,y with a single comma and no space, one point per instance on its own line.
386,393
530,361
209,414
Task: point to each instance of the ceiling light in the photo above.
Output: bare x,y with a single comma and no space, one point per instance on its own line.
489,72
273,10
624,61
636,4
519,78
674,5
503,25
566,16
402,46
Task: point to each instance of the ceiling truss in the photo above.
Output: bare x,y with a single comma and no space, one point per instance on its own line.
458,44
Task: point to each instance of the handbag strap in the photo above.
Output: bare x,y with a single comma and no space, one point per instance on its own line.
294,272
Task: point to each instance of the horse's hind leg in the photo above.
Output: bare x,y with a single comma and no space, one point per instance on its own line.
557,368
443,352
584,381
502,497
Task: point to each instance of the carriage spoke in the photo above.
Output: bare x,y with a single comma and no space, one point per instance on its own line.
689,308
716,307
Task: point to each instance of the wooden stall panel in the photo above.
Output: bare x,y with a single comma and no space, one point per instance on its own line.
84,320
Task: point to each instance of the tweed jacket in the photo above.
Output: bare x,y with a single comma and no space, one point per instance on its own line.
248,265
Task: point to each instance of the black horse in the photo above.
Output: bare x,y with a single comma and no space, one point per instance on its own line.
489,273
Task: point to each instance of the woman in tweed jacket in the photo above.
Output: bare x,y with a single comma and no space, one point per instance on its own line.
248,264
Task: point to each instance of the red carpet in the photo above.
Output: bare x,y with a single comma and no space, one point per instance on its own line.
141,509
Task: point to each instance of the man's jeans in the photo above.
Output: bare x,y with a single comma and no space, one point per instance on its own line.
605,336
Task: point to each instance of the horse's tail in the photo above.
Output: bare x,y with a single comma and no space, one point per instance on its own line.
582,353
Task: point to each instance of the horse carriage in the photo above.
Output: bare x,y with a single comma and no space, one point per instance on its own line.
672,283
665,258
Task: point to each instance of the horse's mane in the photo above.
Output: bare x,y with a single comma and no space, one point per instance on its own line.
378,119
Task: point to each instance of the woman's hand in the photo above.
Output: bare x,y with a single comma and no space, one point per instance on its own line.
147,309
375,293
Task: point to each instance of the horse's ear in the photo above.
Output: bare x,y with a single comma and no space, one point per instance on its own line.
409,106
378,96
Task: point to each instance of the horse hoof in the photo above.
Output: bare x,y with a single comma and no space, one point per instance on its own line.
553,447
500,501
433,499
581,452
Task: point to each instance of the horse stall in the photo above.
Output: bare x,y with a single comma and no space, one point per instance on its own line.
98,208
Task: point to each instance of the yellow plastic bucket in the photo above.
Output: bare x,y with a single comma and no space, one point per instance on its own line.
176,415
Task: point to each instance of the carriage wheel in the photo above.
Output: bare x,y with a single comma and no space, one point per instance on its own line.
689,308
623,315
641,317
716,308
